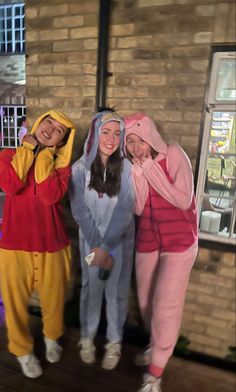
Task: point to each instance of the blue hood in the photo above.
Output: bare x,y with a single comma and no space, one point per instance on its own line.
92,140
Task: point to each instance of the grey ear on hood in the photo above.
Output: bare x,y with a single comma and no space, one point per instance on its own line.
91,136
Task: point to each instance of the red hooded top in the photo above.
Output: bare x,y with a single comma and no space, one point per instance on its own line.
34,186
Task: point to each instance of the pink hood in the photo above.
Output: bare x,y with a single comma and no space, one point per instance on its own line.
141,125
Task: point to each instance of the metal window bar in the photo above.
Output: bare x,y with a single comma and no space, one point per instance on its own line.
12,28
9,125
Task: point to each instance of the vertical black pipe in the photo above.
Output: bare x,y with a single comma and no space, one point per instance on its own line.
103,44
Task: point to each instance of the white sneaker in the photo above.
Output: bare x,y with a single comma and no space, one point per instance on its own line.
30,366
151,384
87,350
53,350
112,355
143,358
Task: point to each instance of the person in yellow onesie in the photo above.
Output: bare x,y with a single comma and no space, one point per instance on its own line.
35,251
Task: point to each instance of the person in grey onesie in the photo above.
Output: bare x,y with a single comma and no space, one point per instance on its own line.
102,204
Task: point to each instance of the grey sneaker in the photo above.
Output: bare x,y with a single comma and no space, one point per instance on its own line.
112,355
53,350
30,366
143,358
87,350
151,384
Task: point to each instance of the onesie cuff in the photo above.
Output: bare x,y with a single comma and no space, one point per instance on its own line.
29,146
106,248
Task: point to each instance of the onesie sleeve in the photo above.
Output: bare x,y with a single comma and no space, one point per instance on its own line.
54,187
14,167
178,191
51,183
123,212
44,164
23,159
80,211
140,187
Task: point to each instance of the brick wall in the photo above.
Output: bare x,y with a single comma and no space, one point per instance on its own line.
209,315
159,56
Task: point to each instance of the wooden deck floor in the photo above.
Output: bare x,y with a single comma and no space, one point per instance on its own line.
70,374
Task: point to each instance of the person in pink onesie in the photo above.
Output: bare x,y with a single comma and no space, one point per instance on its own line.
167,238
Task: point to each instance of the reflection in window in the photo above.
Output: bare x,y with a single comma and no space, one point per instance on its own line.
217,171
226,82
219,189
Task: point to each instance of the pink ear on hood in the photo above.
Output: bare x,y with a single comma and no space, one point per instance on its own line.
130,120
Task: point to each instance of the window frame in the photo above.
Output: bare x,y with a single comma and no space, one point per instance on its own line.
10,42
210,105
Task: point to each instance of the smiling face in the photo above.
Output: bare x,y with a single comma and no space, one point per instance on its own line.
109,139
50,132
137,147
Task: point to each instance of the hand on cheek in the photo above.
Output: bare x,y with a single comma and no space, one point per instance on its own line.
31,139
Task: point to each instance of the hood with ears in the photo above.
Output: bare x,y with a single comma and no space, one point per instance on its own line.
142,125
92,140
66,149
56,115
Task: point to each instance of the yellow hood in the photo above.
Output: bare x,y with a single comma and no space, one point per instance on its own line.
56,115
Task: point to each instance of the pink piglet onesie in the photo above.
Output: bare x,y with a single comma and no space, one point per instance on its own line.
166,243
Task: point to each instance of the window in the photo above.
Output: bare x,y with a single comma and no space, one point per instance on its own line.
217,168
12,28
10,117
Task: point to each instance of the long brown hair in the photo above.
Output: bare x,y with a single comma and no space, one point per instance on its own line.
106,179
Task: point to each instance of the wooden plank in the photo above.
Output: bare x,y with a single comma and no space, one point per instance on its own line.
71,375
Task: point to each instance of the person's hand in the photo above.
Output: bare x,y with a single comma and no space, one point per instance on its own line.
102,259
107,265
140,160
30,138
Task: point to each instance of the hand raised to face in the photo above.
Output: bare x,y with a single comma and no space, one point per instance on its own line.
31,139
140,160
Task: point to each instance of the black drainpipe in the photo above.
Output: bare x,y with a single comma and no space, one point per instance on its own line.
103,44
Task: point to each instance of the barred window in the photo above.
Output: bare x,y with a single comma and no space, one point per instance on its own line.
12,28
10,121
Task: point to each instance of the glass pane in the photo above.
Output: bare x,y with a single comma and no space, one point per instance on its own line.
18,47
9,24
226,83
17,35
17,10
17,23
9,48
219,190
222,133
